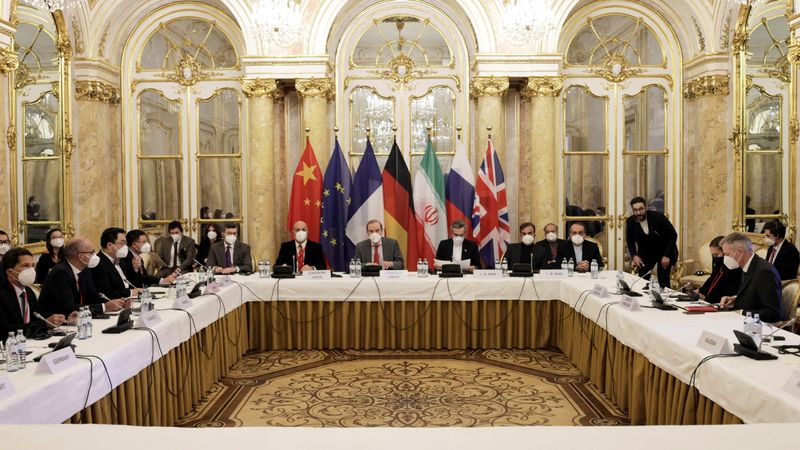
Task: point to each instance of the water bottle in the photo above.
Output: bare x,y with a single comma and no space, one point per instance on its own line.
22,350
504,267
81,323
88,327
358,267
497,264
209,275
419,268
747,328
267,269
594,268
144,300
426,268
620,279
11,353
565,266
758,329
570,268
261,269
352,268
655,287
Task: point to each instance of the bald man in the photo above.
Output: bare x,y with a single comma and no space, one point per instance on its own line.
307,254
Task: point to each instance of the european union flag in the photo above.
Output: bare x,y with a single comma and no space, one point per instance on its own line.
335,202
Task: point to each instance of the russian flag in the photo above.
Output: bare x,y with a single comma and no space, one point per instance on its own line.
460,188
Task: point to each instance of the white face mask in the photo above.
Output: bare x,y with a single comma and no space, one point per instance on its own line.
730,263
527,239
176,237
57,242
375,238
145,248
458,240
93,261
769,241
551,237
211,235
27,276
577,239
301,236
230,239
4,248
122,252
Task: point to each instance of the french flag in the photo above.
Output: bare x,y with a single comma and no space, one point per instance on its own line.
460,188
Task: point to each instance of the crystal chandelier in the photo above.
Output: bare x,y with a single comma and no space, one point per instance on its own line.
51,5
278,21
528,20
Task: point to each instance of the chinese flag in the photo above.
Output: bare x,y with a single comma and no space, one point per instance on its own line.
306,199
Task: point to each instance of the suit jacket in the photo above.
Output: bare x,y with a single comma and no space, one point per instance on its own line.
107,280
60,293
139,278
241,256
11,315
552,261
787,261
187,252
722,282
313,257
590,251
43,266
760,291
514,256
469,250
660,242
391,252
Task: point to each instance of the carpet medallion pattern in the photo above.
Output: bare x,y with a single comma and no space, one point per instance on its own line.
404,389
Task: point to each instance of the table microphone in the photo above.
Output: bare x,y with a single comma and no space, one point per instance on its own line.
628,290
41,317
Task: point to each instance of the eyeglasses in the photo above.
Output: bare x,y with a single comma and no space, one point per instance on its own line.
90,252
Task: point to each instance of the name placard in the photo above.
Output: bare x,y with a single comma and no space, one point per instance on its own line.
629,303
714,343
7,388
148,319
183,302
316,275
211,288
601,291
792,385
57,361
488,273
394,274
552,273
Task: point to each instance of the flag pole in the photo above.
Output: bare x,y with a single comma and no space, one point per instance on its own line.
489,129
368,130
308,131
458,129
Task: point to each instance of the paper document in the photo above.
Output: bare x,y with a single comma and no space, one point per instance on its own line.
441,262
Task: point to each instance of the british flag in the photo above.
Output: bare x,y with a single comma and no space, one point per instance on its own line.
490,212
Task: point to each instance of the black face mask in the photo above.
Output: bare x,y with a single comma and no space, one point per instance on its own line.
716,262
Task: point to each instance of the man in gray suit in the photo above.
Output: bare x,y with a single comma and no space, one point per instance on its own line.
176,249
230,255
379,249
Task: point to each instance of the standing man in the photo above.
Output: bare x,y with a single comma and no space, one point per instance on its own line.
176,249
552,246
307,254
230,255
781,254
458,248
651,240
379,249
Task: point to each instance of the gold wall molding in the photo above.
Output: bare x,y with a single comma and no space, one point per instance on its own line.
9,60
707,85
77,36
794,53
96,90
542,87
316,87
261,87
488,86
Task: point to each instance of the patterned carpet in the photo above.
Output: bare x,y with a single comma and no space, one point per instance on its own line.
404,389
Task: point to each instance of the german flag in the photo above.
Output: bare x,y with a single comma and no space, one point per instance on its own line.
398,206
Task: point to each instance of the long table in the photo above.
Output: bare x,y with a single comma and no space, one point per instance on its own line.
643,360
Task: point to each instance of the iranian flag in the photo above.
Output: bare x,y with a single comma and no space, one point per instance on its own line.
429,204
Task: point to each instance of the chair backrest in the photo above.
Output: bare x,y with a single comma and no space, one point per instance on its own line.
704,257
790,295
599,247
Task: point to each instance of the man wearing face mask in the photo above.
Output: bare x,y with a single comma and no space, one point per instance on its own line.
230,255
379,249
760,289
581,251
722,281
307,255
458,248
108,276
18,305
176,249
140,262
651,240
5,244
70,285
551,246
526,251
781,254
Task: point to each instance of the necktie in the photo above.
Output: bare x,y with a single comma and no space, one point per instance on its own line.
376,257
23,301
553,250
772,256
78,285
228,256
301,257
175,256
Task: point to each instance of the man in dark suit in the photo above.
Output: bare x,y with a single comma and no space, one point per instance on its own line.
651,241
525,251
133,265
581,251
69,285
781,254
17,301
723,281
108,277
760,290
551,245
306,254
379,249
230,255
458,248
176,249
